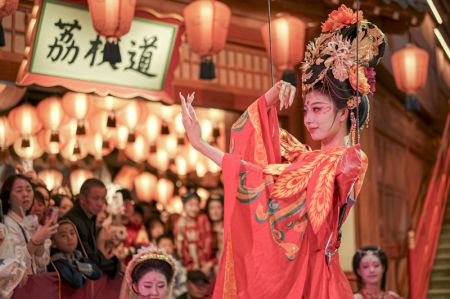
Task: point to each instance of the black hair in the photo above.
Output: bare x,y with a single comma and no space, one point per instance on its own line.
39,197
213,197
146,266
6,190
190,194
150,223
126,194
165,236
90,183
58,198
139,210
378,253
341,91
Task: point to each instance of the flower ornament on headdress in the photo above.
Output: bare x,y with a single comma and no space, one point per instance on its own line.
145,254
331,59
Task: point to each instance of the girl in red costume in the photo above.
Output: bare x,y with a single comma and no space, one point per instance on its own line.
285,204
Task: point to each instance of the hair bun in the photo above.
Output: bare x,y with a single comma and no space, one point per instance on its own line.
340,58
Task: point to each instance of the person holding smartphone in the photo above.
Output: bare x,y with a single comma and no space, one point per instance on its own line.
26,236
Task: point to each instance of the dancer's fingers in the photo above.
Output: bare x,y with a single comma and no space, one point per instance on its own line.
184,109
190,98
281,94
192,113
292,95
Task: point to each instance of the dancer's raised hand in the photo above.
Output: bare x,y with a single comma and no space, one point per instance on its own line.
190,121
282,91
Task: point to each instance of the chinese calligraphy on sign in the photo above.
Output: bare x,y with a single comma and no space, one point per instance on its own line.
67,46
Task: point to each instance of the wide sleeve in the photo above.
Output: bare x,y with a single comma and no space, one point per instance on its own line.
255,135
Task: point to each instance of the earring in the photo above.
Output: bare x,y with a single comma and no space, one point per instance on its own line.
353,128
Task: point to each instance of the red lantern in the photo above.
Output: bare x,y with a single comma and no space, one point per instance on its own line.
410,66
207,24
112,19
24,118
51,115
76,105
144,185
288,43
77,178
7,134
52,178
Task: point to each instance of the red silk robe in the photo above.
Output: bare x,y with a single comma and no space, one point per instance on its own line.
282,204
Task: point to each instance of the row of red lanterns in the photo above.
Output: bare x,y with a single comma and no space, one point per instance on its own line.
207,23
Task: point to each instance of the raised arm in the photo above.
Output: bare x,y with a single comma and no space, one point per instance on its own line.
193,131
282,91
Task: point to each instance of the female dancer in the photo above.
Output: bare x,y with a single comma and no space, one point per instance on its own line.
285,204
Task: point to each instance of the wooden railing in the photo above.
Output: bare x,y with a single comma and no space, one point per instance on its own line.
424,240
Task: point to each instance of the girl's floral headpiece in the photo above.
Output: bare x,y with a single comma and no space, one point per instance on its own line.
331,59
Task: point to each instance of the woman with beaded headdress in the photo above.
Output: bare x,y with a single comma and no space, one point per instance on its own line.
370,265
150,274
285,204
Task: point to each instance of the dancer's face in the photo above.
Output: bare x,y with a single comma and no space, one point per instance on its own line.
321,117
152,285
371,270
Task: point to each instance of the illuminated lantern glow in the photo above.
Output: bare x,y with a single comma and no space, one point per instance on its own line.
130,116
77,178
24,118
52,178
120,137
410,66
138,150
51,115
145,185
31,152
181,165
213,167
150,128
45,141
164,190
207,129
207,23
74,150
178,125
288,43
169,144
125,177
76,105
98,122
98,147
201,169
7,134
111,104
176,205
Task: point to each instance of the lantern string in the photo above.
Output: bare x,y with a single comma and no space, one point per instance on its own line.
270,44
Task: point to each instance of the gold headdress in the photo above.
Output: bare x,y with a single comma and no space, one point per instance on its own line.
149,253
341,61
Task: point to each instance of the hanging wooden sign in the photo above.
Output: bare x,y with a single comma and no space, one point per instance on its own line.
63,49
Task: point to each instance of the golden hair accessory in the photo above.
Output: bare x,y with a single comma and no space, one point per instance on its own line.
145,254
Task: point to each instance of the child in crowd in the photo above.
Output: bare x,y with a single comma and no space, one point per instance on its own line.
193,237
70,263
166,243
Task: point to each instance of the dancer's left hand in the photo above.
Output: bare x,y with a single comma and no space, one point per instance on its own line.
282,91
190,121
